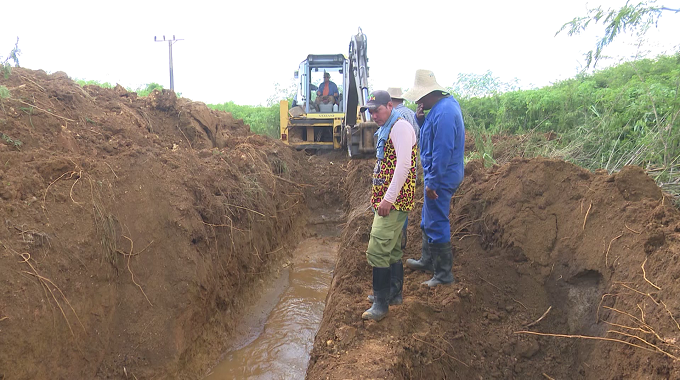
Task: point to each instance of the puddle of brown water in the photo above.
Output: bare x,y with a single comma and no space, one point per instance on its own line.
275,342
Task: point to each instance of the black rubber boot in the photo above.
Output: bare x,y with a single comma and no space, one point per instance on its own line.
443,262
381,292
425,263
396,284
404,238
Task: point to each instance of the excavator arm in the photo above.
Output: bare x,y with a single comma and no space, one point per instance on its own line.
359,129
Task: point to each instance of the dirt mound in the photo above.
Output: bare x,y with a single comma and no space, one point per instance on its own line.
541,246
134,229
53,113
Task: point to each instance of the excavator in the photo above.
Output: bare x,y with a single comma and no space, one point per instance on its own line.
319,121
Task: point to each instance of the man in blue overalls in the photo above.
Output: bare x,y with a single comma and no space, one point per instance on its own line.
442,143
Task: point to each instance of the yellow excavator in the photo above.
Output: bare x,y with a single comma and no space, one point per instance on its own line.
318,120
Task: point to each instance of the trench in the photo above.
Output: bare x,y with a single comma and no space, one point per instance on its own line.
276,335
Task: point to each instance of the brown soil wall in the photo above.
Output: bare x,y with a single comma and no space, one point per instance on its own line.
599,251
133,229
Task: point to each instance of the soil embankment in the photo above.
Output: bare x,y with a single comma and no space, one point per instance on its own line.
599,251
134,229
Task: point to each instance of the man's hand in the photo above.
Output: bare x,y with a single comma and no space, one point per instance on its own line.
384,208
432,194
420,113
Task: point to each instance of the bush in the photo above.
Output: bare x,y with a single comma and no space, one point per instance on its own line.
149,88
262,120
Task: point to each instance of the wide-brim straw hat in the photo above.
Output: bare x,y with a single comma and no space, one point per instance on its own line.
395,93
424,84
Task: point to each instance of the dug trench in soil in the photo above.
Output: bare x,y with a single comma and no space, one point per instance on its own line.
134,229
275,338
541,247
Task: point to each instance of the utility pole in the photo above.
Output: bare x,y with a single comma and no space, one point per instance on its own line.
170,43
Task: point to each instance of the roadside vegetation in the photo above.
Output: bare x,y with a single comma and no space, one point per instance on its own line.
262,120
623,115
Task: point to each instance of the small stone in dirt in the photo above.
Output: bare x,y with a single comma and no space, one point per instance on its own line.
108,148
509,309
528,349
329,342
345,334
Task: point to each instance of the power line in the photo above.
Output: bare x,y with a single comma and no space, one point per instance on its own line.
170,43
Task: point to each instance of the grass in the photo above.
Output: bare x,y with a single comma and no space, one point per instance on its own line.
262,120
16,143
29,112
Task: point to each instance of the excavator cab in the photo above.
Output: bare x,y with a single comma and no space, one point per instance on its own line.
312,84
316,120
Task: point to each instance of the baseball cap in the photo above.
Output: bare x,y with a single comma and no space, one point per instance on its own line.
376,99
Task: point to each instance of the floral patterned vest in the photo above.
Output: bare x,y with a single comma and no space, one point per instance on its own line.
382,177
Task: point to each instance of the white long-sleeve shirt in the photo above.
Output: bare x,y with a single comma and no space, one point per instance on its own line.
403,138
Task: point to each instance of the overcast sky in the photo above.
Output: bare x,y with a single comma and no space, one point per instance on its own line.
238,50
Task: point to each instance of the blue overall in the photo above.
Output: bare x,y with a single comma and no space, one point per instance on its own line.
442,149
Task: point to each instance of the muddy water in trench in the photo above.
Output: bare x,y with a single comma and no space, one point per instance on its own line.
277,333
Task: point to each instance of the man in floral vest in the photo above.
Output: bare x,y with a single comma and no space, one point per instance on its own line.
394,184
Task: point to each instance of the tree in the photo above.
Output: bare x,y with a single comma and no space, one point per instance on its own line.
281,92
631,18
477,86
5,67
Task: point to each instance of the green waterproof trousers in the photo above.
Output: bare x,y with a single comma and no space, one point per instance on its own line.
384,246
